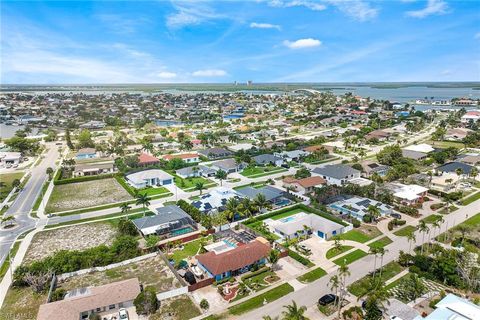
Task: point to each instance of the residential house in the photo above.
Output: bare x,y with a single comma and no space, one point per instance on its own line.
304,186
414,155
145,159
149,178
86,153
295,155
472,159
271,194
93,169
422,147
470,117
357,207
215,153
215,200
228,165
236,261
380,135
83,302
169,221
268,159
370,167
10,158
294,226
445,182
457,134
453,307
186,157
189,172
407,194
453,166
337,174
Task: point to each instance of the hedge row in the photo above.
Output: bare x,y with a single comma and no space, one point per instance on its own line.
124,184
57,180
252,274
292,254
297,206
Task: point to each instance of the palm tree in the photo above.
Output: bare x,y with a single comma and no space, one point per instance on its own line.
382,252
144,200
411,238
16,183
459,172
334,285
343,273
261,201
273,257
221,175
49,172
474,173
294,312
199,186
423,228
374,211
9,219
148,146
374,251
374,303
125,207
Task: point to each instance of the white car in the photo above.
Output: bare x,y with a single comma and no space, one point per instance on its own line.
197,271
123,314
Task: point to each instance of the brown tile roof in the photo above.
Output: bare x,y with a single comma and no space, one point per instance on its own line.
95,297
180,156
146,158
234,259
311,181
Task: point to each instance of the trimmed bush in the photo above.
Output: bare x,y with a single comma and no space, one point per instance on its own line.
79,179
292,254
252,274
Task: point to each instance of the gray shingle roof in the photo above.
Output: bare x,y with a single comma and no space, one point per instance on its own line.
164,215
266,158
337,171
269,192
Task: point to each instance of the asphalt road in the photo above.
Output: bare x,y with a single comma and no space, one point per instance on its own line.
308,296
24,202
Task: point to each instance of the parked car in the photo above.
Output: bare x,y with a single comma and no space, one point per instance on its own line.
123,314
286,166
396,215
327,299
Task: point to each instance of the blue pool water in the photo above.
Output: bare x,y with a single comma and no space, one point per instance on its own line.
288,219
181,231
283,202
231,244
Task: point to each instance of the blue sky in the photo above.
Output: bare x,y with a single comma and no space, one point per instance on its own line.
54,42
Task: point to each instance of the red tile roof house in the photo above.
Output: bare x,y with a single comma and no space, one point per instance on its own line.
102,300
305,185
145,159
186,157
236,261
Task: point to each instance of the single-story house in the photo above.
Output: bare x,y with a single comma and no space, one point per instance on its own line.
145,159
294,226
304,186
272,194
453,307
337,174
186,157
215,153
149,178
457,134
472,159
268,159
93,169
454,166
215,200
102,300
371,167
228,165
414,155
407,194
236,261
470,117
445,182
86,153
189,172
380,135
357,207
169,221
422,147
7,158
295,155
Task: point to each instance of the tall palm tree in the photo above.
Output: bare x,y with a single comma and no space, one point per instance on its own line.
374,211
294,312
199,186
474,173
375,303
423,228
125,208
273,257
334,283
221,175
382,252
459,172
144,200
411,238
261,201
374,251
343,273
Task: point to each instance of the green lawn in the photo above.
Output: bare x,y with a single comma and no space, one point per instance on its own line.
446,144
432,218
258,301
473,221
355,235
190,249
153,191
189,183
333,252
350,257
7,179
451,209
6,263
287,214
258,282
257,171
471,199
312,275
361,286
405,231
385,241
258,184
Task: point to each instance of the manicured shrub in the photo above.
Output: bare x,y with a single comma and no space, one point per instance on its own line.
204,304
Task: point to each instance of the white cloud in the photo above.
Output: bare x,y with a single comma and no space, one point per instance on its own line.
434,7
166,75
477,35
356,9
209,73
302,43
312,5
260,25
120,24
190,14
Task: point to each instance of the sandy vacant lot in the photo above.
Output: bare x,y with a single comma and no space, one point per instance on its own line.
86,194
77,237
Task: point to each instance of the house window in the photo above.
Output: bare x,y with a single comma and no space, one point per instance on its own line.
110,307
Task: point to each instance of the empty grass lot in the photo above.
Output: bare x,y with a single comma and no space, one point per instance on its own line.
350,257
333,252
355,235
311,276
385,241
7,180
177,308
86,194
405,231
256,302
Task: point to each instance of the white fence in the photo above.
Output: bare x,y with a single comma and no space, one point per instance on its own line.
172,293
110,266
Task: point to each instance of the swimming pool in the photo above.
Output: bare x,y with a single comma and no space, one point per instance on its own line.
283,202
287,219
179,232
231,244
